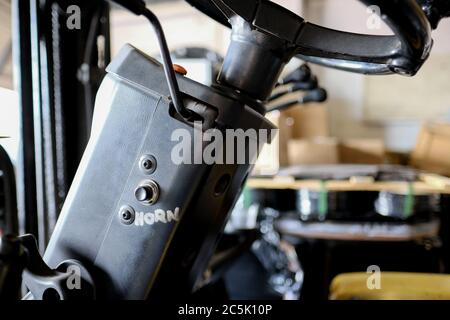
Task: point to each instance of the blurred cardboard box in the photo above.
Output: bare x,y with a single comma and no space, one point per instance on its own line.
362,151
310,121
324,150
432,151
321,150
302,122
304,138
274,155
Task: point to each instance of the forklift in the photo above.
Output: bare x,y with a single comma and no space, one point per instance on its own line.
86,173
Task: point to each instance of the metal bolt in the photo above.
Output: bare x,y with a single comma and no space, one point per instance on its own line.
147,164
126,215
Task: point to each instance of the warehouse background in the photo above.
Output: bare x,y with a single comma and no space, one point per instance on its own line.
390,109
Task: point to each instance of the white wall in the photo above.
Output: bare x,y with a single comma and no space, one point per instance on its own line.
183,26
347,91
9,122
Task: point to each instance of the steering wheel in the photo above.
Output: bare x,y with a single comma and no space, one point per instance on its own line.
403,53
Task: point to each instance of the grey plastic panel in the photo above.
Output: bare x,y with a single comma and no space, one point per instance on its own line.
132,119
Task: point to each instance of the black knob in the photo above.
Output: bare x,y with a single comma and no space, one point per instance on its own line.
147,192
144,193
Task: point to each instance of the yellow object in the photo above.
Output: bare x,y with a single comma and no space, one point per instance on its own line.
390,286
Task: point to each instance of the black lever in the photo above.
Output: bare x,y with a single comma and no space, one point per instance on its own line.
298,86
20,260
301,74
316,95
138,7
45,283
436,10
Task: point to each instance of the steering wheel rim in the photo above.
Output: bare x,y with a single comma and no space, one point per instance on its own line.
404,53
